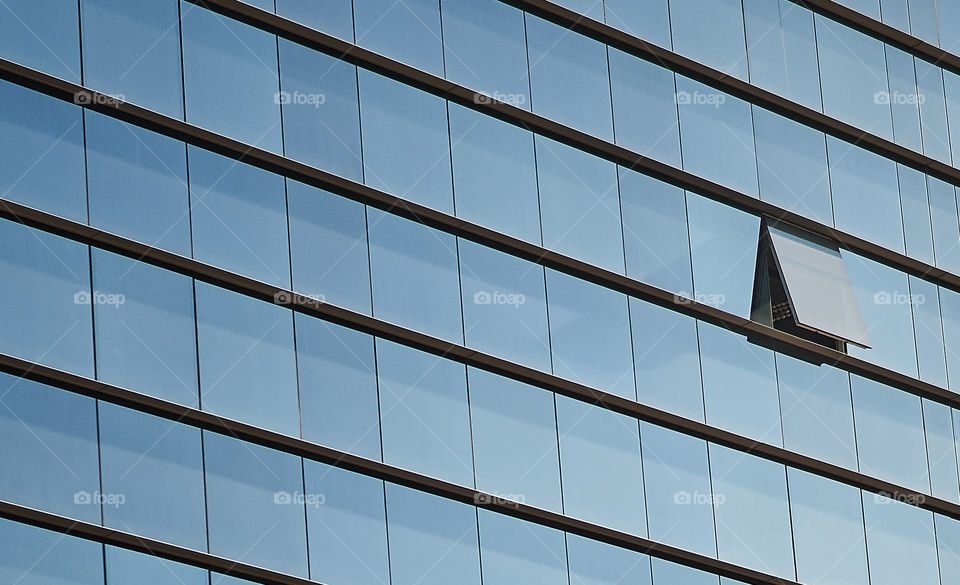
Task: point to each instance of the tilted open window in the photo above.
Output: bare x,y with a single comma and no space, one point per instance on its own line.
801,287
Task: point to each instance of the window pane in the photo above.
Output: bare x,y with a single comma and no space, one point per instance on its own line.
504,306
580,204
597,563
132,49
900,542
589,8
569,77
415,276
739,385
948,548
724,248
328,247
254,514
226,62
494,170
334,17
950,309
516,551
753,520
127,566
716,136
147,342
45,299
951,82
645,107
677,486
946,233
49,449
33,556
485,49
406,145
781,45
433,540
247,365
648,20
941,450
933,111
590,334
600,463
903,98
348,532
42,35
515,440
137,181
425,422
667,573
156,466
239,217
338,387
666,359
917,229
407,31
890,437
711,33
321,110
41,155
928,327
828,530
816,411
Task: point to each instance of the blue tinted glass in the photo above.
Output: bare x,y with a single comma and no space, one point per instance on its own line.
321,111
866,201
711,33
816,411
739,385
948,548
152,468
951,83
946,233
724,248
333,17
347,526
869,7
645,107
677,486
328,247
433,541
137,181
933,111
923,19
655,232
255,504
49,449
569,78
903,99
753,516
900,542
515,551
415,280
792,161
33,556
53,323
580,204
42,35
515,440
828,530
425,422
600,463
590,334
126,566
589,8
406,144
147,342
667,573
666,359
230,77
247,364
853,77
485,49
598,563
883,295
504,306
948,15
890,437
894,13
494,171
648,20
716,136
917,229
941,450
407,31
239,217
338,387
782,49
133,49
928,328
950,309
41,155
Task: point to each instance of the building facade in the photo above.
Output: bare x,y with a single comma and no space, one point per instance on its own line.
416,292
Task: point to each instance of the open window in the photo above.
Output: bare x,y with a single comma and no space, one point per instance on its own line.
801,287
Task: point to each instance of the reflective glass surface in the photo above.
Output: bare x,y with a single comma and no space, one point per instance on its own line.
649,20
597,563
33,556
334,17
900,542
513,550
917,229
407,31
946,233
941,450
42,35
712,33
903,99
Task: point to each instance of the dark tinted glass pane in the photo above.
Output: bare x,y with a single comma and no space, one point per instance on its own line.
132,49
941,450
712,33
598,563
126,566
946,233
928,328
42,35
516,551
917,229
903,98
648,20
407,31
333,17
33,556
900,542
